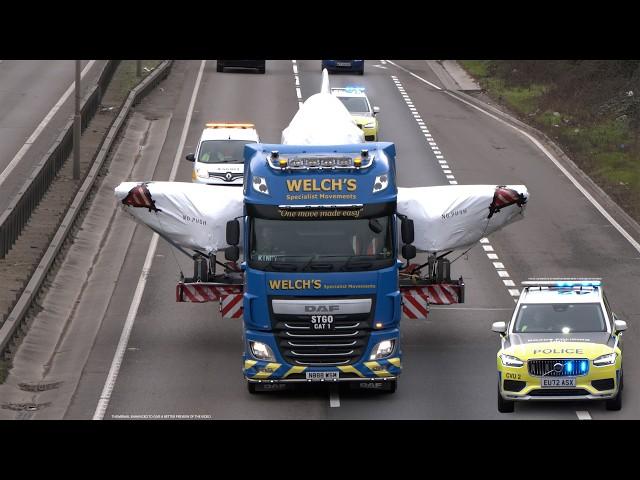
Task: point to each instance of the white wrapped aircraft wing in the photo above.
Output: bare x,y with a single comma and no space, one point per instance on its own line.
189,215
456,216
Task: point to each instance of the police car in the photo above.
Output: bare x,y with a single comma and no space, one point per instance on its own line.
562,343
357,102
219,157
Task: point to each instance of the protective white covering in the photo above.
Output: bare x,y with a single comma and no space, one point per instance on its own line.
455,216
192,216
322,120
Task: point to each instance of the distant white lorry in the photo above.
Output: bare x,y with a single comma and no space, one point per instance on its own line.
219,157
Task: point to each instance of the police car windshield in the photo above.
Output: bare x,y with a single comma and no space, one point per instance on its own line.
355,104
317,244
222,151
560,318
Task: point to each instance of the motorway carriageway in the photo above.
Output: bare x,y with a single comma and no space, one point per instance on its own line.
183,361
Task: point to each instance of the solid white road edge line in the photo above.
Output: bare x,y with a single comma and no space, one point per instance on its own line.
45,121
103,403
583,415
573,180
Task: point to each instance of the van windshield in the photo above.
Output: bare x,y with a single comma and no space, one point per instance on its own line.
222,151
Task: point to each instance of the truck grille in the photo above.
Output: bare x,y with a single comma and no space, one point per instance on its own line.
571,367
301,344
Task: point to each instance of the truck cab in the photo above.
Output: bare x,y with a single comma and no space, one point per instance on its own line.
321,298
219,156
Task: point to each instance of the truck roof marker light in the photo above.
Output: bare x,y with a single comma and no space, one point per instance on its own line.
230,125
379,325
282,162
260,185
357,162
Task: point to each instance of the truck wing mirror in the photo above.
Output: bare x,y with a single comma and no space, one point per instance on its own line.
408,252
232,253
406,229
233,232
191,157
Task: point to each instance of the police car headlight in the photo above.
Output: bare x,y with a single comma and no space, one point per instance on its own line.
370,125
262,351
202,172
509,361
608,359
260,185
383,349
382,182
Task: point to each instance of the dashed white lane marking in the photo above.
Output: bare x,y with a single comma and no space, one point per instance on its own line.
45,121
103,403
297,80
334,396
503,274
583,415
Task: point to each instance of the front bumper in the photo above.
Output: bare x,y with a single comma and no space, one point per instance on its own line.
280,371
584,389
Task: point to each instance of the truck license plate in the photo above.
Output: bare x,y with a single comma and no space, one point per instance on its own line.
558,382
319,376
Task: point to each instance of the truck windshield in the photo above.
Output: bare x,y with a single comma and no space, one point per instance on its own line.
321,245
222,151
560,318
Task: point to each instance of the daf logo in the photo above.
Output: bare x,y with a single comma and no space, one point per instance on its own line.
321,308
228,177
558,367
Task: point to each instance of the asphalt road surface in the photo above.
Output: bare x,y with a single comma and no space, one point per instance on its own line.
184,360
33,111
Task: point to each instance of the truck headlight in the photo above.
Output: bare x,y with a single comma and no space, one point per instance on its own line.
509,361
261,351
608,359
383,349
260,185
202,172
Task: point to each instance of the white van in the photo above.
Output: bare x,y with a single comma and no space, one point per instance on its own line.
219,158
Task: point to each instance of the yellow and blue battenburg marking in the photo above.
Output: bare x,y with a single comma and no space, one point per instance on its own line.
259,370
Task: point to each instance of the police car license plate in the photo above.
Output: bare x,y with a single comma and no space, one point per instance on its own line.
558,382
319,376
343,64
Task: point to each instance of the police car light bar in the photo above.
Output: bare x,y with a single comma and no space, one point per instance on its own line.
230,125
563,282
354,89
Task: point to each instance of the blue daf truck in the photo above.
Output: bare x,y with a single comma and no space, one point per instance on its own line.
321,297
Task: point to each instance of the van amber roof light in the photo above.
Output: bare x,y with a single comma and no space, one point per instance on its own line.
230,125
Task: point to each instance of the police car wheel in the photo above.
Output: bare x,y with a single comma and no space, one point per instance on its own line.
393,386
616,402
505,406
251,387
